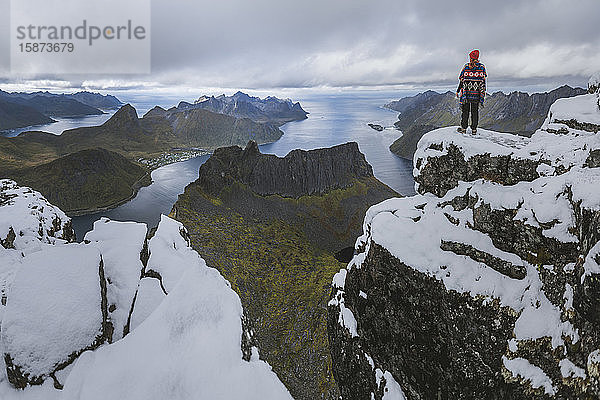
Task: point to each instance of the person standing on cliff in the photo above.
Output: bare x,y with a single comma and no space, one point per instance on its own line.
471,92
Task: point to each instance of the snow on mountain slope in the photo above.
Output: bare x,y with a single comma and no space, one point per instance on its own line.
27,223
487,283
54,312
187,348
148,296
63,298
122,245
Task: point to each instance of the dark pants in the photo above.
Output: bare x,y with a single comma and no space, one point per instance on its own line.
473,108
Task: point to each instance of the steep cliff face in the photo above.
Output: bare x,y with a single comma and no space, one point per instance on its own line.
298,173
275,228
517,112
485,284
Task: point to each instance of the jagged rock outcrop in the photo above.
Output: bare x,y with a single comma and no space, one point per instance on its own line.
594,83
240,105
65,298
278,229
298,173
517,112
484,285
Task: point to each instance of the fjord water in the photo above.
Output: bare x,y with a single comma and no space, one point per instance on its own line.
334,119
62,124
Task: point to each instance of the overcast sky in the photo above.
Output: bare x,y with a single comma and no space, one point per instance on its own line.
339,43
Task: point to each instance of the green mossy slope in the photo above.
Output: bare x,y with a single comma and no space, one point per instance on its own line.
278,254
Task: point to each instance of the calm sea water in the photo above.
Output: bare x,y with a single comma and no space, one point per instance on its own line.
333,119
62,124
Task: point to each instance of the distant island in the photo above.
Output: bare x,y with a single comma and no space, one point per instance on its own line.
120,153
19,110
519,113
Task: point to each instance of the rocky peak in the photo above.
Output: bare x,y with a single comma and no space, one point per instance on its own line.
156,111
484,285
125,117
298,173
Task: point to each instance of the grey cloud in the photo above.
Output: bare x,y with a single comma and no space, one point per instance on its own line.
276,43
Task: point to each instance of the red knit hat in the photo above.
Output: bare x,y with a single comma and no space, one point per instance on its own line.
474,55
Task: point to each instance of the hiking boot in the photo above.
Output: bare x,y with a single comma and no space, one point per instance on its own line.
461,130
473,131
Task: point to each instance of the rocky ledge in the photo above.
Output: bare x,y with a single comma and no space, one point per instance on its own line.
485,285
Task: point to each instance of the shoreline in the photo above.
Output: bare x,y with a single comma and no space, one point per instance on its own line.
137,185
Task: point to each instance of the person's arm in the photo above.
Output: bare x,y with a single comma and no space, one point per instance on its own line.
460,80
482,96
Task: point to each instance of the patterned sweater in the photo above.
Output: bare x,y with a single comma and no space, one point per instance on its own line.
472,83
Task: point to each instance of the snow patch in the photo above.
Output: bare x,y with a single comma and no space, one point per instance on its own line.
120,244
570,370
391,390
53,309
189,347
148,298
534,375
170,254
582,108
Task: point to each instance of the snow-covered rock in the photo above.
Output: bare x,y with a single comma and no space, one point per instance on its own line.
487,283
64,303
170,253
27,218
27,223
123,247
147,298
56,309
188,348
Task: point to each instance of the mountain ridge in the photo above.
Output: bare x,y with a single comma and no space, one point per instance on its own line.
50,105
517,112
241,105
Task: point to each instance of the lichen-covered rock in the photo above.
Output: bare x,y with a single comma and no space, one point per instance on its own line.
490,288
56,309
